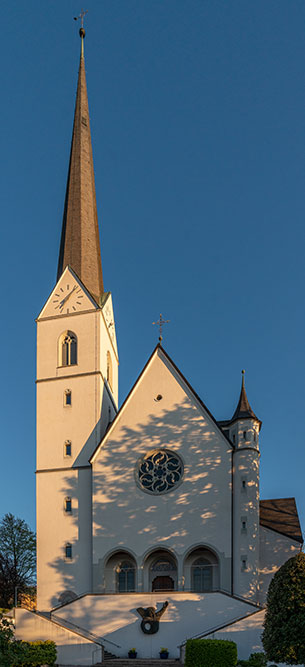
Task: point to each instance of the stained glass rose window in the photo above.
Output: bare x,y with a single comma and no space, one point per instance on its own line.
159,471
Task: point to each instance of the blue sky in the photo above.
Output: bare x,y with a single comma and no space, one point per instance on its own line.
198,123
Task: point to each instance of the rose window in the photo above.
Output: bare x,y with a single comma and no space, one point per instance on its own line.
160,471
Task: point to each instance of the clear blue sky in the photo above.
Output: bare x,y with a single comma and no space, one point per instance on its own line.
198,125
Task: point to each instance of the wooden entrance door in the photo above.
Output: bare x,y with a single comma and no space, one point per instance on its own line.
163,584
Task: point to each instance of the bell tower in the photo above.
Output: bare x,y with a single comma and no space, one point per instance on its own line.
77,380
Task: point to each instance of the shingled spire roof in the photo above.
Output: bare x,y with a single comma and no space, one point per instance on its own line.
80,243
244,410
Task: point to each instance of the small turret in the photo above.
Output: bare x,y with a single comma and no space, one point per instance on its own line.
244,425
244,430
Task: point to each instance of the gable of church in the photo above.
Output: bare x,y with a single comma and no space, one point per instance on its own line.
162,428
68,297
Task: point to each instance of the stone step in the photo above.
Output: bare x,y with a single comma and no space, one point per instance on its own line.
142,662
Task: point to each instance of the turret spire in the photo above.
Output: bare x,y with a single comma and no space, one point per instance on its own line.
244,410
80,244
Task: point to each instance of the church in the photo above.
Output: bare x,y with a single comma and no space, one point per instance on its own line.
150,526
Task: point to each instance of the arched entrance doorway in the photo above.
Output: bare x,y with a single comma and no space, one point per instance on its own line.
163,574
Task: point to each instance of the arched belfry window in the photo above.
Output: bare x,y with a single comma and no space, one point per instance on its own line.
67,349
109,369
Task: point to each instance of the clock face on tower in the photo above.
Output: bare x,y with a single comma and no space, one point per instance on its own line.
109,321
68,299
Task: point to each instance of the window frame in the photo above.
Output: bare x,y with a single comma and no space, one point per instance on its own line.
67,394
67,349
68,505
68,547
67,443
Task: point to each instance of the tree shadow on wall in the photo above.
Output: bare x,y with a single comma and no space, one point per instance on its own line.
123,513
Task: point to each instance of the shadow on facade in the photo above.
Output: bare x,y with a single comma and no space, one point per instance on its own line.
123,516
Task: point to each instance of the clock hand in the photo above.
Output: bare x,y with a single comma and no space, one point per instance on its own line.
67,297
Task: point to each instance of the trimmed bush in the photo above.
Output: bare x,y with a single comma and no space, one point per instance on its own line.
284,627
32,654
258,660
210,653
255,660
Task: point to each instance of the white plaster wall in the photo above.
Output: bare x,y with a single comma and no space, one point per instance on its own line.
108,343
81,422
85,326
198,511
274,550
246,506
114,617
246,634
55,527
71,648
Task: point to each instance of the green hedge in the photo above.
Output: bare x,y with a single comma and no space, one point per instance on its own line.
32,654
210,653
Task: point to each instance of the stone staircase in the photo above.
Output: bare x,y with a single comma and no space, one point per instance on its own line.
142,662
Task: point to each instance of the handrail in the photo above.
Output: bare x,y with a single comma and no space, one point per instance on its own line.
91,635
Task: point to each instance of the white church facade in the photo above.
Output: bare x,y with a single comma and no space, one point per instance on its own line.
156,502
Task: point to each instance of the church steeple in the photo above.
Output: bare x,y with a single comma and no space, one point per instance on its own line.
80,244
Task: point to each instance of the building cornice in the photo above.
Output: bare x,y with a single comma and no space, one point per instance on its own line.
79,375
71,468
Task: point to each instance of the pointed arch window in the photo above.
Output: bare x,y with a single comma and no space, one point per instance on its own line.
67,349
109,369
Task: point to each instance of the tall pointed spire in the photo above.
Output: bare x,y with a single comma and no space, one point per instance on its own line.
244,410
80,243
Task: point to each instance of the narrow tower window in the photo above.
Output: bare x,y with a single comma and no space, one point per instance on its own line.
244,485
67,397
67,448
68,505
243,524
68,550
109,370
67,352
243,563
245,435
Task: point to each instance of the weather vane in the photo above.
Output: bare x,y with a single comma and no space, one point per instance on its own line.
81,16
160,322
